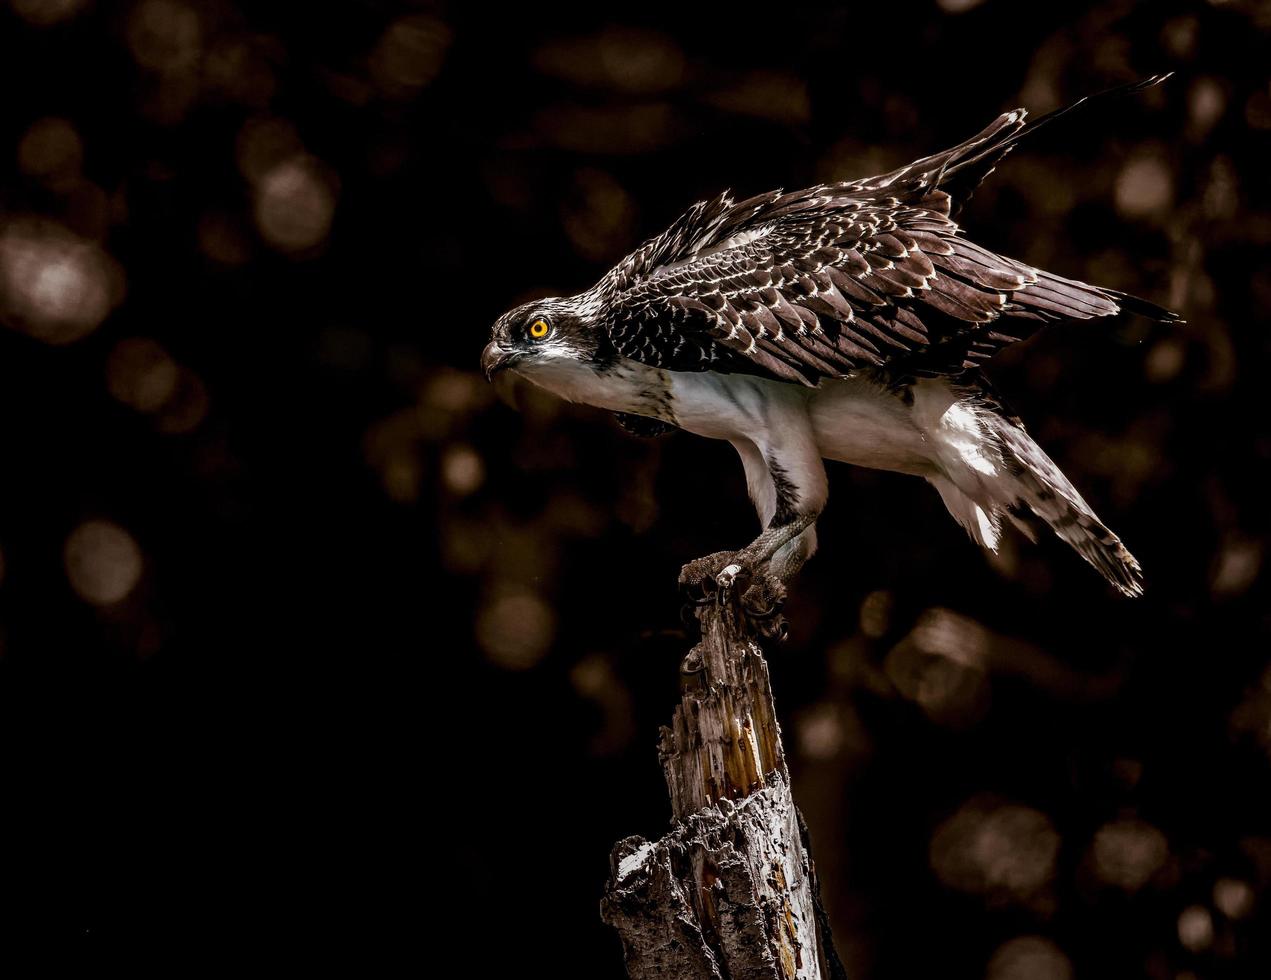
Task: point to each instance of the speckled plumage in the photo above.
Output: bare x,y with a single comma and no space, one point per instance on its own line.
843,321
839,277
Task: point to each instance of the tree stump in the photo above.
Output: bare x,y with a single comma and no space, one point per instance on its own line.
730,893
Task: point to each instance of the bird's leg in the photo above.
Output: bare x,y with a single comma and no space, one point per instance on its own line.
764,548
787,483
756,574
787,561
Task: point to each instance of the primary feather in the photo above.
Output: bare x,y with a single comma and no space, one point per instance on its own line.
824,281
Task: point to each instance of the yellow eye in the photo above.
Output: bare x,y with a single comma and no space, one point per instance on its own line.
538,329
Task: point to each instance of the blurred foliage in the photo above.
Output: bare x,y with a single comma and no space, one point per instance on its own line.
284,582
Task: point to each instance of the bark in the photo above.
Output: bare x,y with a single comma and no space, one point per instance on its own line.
730,893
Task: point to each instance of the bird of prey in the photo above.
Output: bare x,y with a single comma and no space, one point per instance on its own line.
846,321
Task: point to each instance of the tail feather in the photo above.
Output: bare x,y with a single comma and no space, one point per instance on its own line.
1047,493
990,473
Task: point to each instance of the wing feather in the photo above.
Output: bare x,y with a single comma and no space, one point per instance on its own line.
839,277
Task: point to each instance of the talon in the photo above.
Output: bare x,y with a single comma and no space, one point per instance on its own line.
702,591
698,590
772,628
701,581
763,603
773,610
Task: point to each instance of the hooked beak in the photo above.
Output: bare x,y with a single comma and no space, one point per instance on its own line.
496,358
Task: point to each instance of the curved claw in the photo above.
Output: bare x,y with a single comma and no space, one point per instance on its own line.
769,613
702,580
763,603
699,593
729,576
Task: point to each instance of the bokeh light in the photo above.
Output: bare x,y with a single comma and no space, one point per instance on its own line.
51,151
599,215
462,469
1144,186
141,374
239,69
454,392
1196,928
54,285
1127,852
610,130
1233,898
295,204
819,731
1029,958
1221,198
410,55
1003,851
165,35
1165,360
185,410
1258,110
595,680
876,611
778,97
466,545
103,562
515,629
263,143
43,13
941,667
1206,103
402,475
626,59
1236,567
1251,718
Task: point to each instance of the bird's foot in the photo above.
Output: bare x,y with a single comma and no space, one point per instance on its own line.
759,594
761,604
702,579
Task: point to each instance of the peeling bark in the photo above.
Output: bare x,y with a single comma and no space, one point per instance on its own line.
730,893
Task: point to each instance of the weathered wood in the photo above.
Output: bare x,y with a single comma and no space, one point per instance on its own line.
730,892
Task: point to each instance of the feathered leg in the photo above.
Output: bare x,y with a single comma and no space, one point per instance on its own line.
787,483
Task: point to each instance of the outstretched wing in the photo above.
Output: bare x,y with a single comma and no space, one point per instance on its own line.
839,277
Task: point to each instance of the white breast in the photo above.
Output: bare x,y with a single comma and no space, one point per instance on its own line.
858,421
626,386
853,420
733,406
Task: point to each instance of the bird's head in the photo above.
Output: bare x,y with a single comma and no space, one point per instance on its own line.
542,334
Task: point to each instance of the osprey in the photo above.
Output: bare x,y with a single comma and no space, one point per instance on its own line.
847,321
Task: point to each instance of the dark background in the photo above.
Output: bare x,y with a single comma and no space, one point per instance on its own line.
317,651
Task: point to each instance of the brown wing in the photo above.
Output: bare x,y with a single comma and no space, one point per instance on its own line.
825,281
831,282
